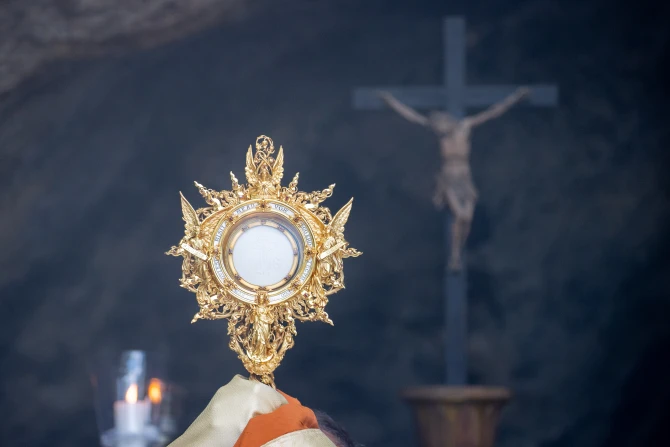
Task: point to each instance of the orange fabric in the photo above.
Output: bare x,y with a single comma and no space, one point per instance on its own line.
286,419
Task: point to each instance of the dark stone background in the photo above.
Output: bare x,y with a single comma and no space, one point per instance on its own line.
568,258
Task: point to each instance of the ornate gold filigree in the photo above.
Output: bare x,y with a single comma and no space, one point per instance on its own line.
261,332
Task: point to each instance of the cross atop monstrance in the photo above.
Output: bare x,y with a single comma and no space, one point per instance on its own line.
455,188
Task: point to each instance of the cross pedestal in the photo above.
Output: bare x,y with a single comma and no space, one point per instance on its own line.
451,416
454,96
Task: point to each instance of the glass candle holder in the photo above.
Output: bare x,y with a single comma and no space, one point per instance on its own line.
135,405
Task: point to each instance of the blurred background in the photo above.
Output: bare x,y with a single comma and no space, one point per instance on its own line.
109,108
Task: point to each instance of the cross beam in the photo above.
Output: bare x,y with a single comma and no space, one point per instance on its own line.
454,96
436,97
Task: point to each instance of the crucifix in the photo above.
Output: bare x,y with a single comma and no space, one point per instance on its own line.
454,185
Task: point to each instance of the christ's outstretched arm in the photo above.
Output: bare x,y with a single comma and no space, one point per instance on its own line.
498,109
405,111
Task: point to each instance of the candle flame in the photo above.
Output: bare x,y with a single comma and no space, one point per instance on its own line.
155,391
131,394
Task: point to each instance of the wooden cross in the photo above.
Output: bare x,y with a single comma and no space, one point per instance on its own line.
454,96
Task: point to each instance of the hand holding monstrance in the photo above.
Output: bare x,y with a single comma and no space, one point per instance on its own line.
455,187
263,256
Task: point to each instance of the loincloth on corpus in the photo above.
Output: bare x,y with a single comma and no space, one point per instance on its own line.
459,183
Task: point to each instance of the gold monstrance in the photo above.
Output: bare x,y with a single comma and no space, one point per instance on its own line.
263,256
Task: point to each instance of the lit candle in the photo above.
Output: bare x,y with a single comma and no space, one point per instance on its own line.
155,392
155,395
130,415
